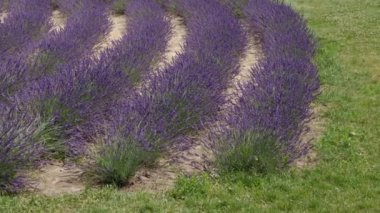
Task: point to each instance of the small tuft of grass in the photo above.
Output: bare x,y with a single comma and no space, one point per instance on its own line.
118,7
252,153
117,162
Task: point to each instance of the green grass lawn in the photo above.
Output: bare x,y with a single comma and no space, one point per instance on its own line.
347,178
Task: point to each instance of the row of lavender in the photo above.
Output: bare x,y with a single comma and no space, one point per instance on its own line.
61,89
178,100
34,71
264,128
42,55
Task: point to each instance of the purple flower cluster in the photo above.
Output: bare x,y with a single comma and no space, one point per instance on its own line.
275,103
26,22
181,98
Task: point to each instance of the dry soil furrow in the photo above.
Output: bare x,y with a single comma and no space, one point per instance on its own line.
3,16
118,29
58,20
312,133
175,43
174,48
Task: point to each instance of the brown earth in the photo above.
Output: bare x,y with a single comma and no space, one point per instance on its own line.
175,43
56,178
57,20
118,29
3,16
313,133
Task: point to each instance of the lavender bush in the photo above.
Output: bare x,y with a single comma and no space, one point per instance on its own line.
134,58
275,104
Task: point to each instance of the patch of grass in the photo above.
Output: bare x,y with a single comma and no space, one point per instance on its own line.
251,153
118,7
194,186
346,178
117,162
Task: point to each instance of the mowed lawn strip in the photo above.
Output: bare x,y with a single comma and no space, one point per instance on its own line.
346,178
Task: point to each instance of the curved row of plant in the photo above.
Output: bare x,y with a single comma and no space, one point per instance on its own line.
264,128
85,26
71,99
57,52
81,93
178,100
42,58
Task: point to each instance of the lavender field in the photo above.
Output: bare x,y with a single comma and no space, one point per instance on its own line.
135,93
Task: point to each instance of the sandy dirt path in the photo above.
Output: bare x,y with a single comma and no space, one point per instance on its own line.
57,20
174,47
3,16
313,133
197,157
175,43
57,179
118,29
